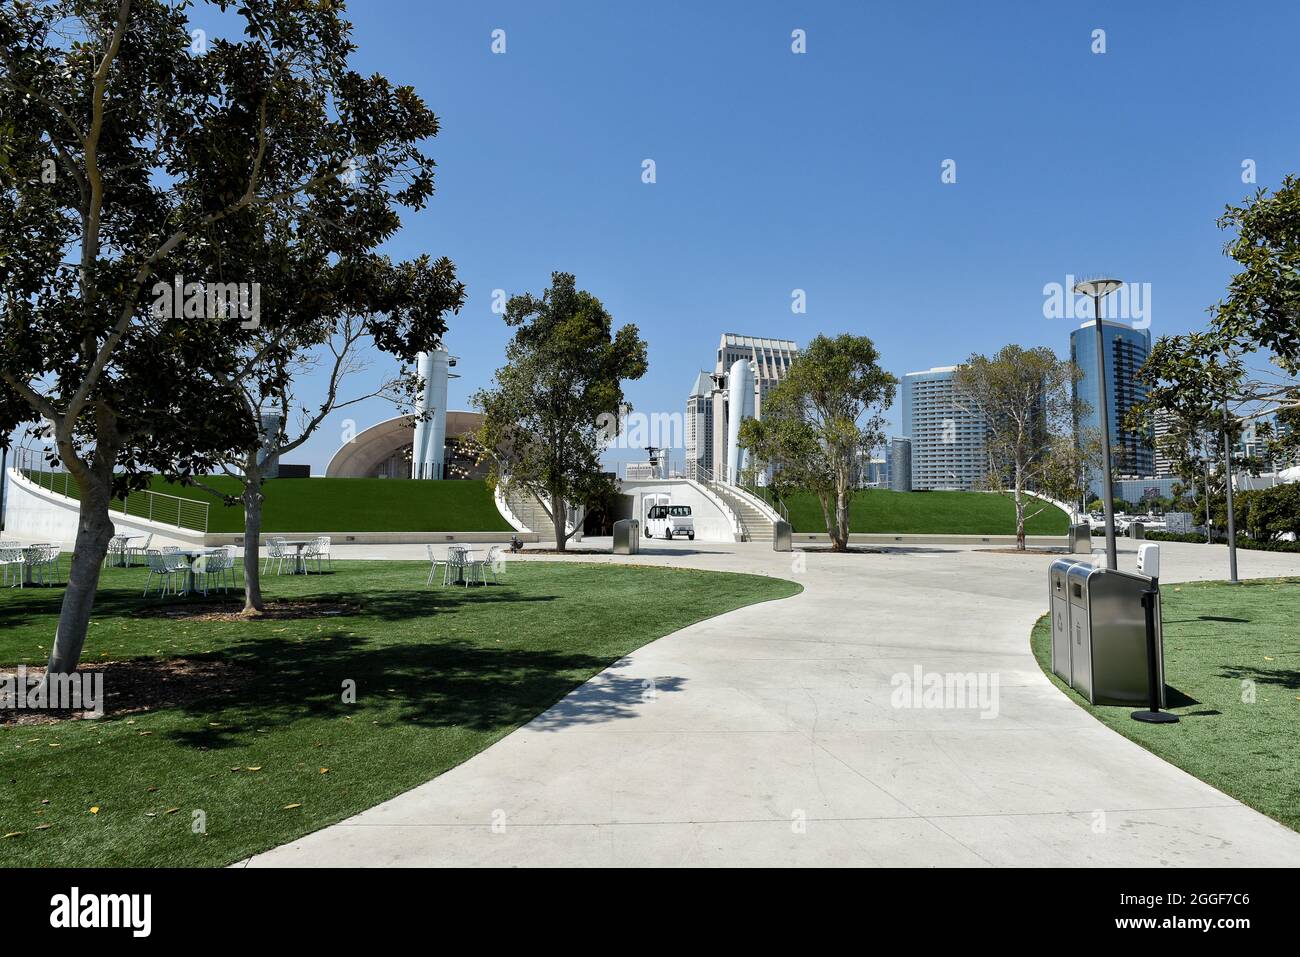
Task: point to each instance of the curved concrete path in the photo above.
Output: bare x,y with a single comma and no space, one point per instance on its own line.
770,739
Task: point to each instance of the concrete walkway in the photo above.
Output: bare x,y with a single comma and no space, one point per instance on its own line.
770,739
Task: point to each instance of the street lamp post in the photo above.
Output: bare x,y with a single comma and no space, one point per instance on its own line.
1097,290
1227,485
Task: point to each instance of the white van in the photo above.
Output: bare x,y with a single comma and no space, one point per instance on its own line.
669,520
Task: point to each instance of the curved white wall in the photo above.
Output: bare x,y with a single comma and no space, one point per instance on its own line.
712,524
33,514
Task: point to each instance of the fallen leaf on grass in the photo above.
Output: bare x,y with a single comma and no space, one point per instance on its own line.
95,809
172,810
12,834
290,807
255,767
324,770
42,827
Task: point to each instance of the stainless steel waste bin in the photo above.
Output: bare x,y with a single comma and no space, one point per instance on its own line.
1108,636
627,537
1137,530
1058,606
781,537
1081,539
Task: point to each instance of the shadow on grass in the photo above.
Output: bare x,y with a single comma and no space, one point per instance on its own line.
441,683
1288,678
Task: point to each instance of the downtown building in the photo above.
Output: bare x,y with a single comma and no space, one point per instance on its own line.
1125,349
745,370
946,448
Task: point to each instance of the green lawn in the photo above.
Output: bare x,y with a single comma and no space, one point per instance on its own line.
440,673
351,505
1223,642
928,513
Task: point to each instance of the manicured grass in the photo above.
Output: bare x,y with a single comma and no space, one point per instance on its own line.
351,505
440,674
929,513
1224,643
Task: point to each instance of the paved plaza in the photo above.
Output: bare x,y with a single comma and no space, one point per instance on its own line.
767,736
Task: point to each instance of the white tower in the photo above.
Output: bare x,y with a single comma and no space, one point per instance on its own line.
740,405
428,454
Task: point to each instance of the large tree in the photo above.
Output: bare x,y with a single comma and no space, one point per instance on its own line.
821,422
1025,398
133,149
547,415
1245,365
356,309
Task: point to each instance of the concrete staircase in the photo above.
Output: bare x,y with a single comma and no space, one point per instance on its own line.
527,510
755,516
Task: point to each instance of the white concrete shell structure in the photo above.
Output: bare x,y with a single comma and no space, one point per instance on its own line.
383,448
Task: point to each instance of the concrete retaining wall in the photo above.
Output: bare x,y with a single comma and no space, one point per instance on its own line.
35,514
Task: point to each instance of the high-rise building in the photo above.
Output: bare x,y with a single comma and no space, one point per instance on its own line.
752,366
1125,349
947,447
699,426
1161,461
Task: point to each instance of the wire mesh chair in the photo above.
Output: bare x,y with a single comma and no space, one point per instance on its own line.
159,568
494,564
139,551
454,571
116,553
11,556
275,554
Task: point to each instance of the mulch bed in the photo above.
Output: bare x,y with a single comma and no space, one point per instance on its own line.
230,611
140,685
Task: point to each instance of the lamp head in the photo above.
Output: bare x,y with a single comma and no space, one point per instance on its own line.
1096,288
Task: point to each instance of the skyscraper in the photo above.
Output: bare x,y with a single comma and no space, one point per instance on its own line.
947,439
710,438
1125,349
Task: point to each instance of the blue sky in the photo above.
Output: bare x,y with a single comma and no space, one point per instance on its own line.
821,171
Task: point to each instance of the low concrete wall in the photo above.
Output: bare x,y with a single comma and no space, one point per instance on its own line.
874,538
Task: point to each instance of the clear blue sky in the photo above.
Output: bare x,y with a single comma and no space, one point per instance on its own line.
821,171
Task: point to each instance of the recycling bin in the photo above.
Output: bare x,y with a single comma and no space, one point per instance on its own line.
627,537
1058,606
1108,636
781,537
1081,539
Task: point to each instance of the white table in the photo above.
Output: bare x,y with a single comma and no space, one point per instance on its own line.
299,566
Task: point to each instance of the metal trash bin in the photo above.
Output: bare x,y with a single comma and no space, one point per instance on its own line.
1108,636
1058,606
1081,539
627,537
1137,530
782,540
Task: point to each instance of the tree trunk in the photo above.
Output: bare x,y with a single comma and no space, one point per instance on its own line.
840,539
252,499
557,517
826,516
94,530
1020,512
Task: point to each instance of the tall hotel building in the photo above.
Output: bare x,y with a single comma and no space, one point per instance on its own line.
1124,351
947,441
709,433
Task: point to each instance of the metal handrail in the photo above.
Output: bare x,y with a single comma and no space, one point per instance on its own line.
41,467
